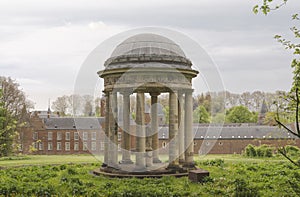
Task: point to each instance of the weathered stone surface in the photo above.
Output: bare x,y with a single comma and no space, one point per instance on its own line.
198,175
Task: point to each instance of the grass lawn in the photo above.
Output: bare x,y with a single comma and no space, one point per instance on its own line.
230,175
65,159
46,159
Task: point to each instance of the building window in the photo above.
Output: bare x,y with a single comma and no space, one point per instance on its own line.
195,143
58,146
85,146
59,136
76,146
93,145
164,144
94,136
35,135
220,143
67,146
41,146
50,147
76,136
101,145
35,145
50,135
207,143
67,135
85,135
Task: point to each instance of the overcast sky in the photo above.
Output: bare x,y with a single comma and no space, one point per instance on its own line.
44,43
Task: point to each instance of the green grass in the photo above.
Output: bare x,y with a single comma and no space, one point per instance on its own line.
46,159
230,175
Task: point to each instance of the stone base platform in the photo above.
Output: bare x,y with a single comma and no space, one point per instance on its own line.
130,171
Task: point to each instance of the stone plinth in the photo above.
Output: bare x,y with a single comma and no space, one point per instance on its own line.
198,175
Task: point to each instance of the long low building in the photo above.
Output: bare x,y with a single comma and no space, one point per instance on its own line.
67,135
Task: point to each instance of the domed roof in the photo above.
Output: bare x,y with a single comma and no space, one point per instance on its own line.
148,44
144,50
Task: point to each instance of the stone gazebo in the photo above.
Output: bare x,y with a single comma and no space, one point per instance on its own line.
153,64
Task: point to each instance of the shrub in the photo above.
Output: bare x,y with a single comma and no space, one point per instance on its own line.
258,151
250,151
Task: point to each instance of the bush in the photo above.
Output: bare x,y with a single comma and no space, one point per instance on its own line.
292,150
258,151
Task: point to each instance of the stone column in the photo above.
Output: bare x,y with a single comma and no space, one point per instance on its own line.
154,127
126,141
113,118
106,132
173,131
181,127
188,124
140,132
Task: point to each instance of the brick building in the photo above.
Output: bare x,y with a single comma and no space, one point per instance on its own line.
51,134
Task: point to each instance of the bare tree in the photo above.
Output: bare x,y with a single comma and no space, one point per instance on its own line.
61,105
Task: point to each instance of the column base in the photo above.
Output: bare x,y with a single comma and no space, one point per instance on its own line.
181,161
189,165
156,160
174,167
126,161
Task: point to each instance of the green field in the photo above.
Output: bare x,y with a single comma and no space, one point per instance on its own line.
230,175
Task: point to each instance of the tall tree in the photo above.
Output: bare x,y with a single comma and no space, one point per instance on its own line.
61,105
293,96
14,99
8,129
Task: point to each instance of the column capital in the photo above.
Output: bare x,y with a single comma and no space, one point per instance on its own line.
154,93
126,92
189,91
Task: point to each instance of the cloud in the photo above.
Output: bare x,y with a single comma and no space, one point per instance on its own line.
47,41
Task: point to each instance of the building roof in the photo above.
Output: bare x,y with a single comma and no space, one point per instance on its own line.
237,132
73,123
201,131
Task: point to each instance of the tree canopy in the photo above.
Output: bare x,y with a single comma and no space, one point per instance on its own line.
200,115
239,114
8,127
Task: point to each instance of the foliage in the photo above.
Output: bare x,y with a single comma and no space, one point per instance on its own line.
258,151
8,127
239,114
200,115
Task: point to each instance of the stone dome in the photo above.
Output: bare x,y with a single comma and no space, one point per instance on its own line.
148,44
147,47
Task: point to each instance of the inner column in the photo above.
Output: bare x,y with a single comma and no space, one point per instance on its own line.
173,131
114,129
125,140
106,132
154,127
140,132
181,127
